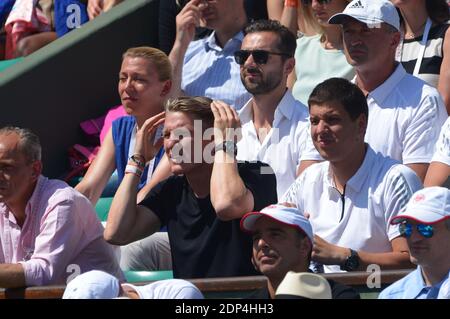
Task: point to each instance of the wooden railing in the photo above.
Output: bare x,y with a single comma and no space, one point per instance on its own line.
214,286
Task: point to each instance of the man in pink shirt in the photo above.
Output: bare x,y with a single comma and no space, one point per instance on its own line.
49,232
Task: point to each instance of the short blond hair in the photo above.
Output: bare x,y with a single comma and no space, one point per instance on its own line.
196,107
156,56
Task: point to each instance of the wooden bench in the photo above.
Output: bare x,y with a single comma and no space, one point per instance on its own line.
232,287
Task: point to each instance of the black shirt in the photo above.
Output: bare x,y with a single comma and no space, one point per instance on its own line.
338,291
202,245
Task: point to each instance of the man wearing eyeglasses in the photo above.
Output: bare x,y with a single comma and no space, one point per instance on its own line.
205,67
425,223
274,124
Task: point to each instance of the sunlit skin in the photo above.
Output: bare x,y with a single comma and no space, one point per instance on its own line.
335,135
278,249
263,78
18,175
369,48
141,92
179,143
428,251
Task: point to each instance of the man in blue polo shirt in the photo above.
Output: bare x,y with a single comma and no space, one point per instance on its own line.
425,222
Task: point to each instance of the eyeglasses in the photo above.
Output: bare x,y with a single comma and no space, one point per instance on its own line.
308,2
425,230
259,56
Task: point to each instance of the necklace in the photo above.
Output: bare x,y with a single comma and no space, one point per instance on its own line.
413,34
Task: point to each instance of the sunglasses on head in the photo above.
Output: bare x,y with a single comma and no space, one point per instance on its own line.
425,230
259,56
308,2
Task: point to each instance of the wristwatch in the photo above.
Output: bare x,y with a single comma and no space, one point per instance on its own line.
228,147
352,261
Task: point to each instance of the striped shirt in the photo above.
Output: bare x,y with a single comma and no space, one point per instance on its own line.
211,71
432,59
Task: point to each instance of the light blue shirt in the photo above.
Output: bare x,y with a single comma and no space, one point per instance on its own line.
211,71
411,286
315,64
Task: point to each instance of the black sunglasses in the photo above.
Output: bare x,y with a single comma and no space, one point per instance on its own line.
259,56
308,2
425,230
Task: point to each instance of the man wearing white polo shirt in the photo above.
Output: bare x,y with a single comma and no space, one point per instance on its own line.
406,114
351,197
439,170
275,127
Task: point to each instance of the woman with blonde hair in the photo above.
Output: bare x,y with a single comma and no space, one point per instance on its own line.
144,85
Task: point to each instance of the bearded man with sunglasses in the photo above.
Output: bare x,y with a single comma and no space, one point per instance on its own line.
425,223
274,125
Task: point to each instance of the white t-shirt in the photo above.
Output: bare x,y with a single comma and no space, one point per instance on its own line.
405,117
442,149
285,145
359,219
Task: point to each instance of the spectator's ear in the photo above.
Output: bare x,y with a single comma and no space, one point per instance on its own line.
289,65
395,40
36,167
362,124
166,88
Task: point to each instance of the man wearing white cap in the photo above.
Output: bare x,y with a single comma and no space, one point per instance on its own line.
97,284
425,222
406,114
282,242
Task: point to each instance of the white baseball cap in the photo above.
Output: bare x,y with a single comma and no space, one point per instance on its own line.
370,12
94,284
427,206
290,216
303,285
167,289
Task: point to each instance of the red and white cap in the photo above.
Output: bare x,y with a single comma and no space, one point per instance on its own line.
427,206
370,12
290,216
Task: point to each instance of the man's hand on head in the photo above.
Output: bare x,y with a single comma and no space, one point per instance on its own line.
227,124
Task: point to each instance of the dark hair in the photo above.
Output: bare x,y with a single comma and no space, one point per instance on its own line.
29,144
286,39
340,90
438,10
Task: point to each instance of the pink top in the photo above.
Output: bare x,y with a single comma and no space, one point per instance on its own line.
61,237
113,114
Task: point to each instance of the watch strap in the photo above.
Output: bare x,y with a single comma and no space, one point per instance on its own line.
228,147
